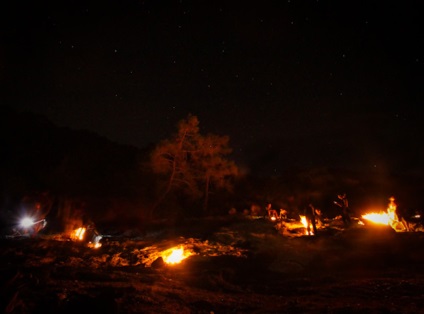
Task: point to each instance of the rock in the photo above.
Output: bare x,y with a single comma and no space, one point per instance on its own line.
158,263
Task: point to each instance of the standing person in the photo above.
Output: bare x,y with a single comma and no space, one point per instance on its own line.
396,215
272,213
311,219
343,203
392,209
283,213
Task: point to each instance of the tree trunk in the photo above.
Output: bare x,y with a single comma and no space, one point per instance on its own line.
205,204
162,197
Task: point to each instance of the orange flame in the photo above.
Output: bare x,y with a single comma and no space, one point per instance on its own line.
378,218
308,226
387,218
78,234
175,255
94,245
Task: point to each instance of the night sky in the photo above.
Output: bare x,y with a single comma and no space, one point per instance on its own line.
293,83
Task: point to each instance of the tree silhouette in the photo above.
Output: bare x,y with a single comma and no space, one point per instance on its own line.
171,158
214,168
192,163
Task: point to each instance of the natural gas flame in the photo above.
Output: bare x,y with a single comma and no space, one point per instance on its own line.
78,234
388,218
81,233
175,255
94,245
304,222
378,218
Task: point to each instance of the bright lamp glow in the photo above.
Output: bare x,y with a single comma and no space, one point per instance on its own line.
27,222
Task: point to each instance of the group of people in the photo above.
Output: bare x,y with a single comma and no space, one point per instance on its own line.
273,214
393,211
313,214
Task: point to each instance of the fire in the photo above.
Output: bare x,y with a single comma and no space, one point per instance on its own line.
378,218
81,233
308,226
303,221
94,245
388,218
78,234
175,255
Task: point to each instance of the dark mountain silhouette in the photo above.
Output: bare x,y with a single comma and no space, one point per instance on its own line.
65,169
40,158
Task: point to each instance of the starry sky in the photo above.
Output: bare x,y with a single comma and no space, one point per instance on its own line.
293,83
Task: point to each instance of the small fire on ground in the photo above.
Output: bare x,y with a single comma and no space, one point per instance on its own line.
175,255
388,217
78,234
81,234
187,248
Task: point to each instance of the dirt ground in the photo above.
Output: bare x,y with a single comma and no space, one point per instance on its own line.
237,265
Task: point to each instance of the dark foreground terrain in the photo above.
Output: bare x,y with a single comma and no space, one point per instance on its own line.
236,266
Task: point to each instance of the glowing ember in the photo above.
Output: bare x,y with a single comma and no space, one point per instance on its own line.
175,255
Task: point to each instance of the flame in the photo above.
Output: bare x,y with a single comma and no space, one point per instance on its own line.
94,245
378,218
78,234
303,221
308,227
175,255
387,218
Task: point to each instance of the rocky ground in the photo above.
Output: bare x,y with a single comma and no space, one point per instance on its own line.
237,265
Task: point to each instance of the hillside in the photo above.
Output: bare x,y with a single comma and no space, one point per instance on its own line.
236,266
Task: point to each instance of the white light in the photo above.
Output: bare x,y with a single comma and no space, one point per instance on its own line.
27,222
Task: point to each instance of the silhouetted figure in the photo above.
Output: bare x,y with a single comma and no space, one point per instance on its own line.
311,219
272,213
283,213
318,218
396,214
344,205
